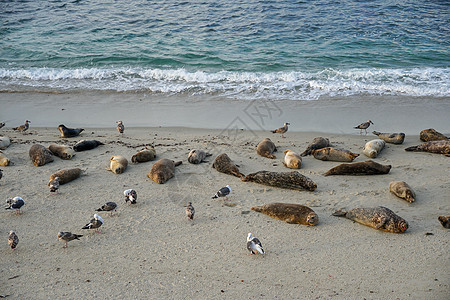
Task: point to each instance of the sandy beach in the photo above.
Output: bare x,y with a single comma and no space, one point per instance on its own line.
152,251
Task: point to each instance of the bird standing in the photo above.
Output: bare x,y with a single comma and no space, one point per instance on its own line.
13,240
120,127
54,185
364,126
67,237
223,193
190,211
254,245
24,127
1,174
282,130
109,206
2,124
15,203
131,196
95,223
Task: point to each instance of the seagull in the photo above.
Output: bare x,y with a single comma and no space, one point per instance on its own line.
223,192
120,127
95,223
13,240
2,124
364,126
109,206
254,245
24,127
282,130
67,237
130,195
1,174
190,211
54,185
15,203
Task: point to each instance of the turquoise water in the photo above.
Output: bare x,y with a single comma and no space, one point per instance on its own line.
299,50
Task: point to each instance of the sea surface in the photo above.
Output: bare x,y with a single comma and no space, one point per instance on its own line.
279,50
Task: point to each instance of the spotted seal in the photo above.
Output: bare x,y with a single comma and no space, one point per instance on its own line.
266,148
40,155
61,151
147,154
163,170
224,164
334,154
440,147
69,132
428,135
317,143
290,213
402,190
392,138
197,156
287,180
118,164
368,167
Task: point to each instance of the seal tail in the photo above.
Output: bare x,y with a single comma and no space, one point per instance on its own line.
413,148
339,213
257,208
178,163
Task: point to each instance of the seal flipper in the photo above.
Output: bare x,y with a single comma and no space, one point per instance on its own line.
177,163
340,213
257,208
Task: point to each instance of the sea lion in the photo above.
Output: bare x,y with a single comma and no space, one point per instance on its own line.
4,161
317,143
197,156
281,130
163,170
440,147
377,217
69,132
118,164
62,151
368,167
40,155
4,142
428,135
334,154
292,160
445,221
373,148
84,145
287,180
224,164
290,213
402,190
393,138
265,148
65,175
147,154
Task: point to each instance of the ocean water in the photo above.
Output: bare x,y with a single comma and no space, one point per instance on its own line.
283,49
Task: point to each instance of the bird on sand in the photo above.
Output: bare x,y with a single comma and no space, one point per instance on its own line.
95,223
54,185
24,127
15,203
120,127
13,240
254,245
282,130
130,196
364,126
2,124
109,206
67,237
190,211
223,193
1,174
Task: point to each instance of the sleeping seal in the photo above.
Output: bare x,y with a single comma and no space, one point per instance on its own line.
224,164
197,156
84,145
290,213
40,155
373,148
393,138
440,147
62,151
118,164
402,190
334,154
163,170
317,143
266,148
287,180
428,135
292,160
147,154
368,167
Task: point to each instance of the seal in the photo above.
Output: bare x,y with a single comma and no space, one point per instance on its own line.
368,167
84,145
197,156
392,138
4,161
334,154
40,155
4,142
292,160
440,147
287,180
266,148
402,190
428,135
163,170
290,213
282,130
69,132
147,154
317,143
62,151
380,217
224,164
445,221
373,148
65,175
118,164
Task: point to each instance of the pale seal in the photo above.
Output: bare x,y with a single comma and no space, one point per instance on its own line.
281,130
163,170
84,145
40,155
287,180
197,156
65,175
373,148
392,138
4,161
367,167
428,135
4,142
402,190
290,213
364,126
317,143
224,164
62,151
292,160
147,154
440,147
266,148
118,164
334,154
69,132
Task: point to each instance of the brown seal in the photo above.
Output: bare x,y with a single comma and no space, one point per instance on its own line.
224,164
147,154
197,156
4,142
402,190
334,154
65,175
376,217
69,132
440,147
40,155
292,160
118,164
392,138
290,213
287,180
266,148
62,151
317,143
4,161
163,170
445,221
368,167
428,135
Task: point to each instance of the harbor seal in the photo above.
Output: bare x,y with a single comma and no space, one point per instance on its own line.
197,156
4,142
402,190
40,155
281,130
445,221
393,138
380,217
373,148
334,154
147,154
4,161
440,147
62,151
163,170
266,148
287,180
292,160
118,164
290,213
65,175
368,167
428,135
69,132
317,143
224,164
84,145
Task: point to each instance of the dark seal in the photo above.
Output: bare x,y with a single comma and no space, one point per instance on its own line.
368,167
40,155
287,180
439,147
317,143
224,164
290,213
69,132
86,145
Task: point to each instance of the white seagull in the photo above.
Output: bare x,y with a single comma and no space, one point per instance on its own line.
15,203
95,223
254,245
130,195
